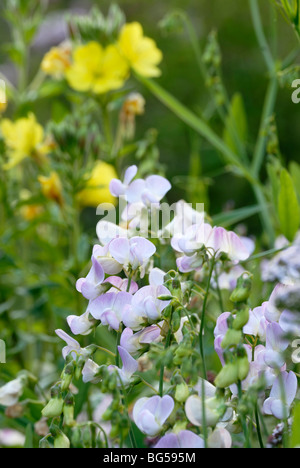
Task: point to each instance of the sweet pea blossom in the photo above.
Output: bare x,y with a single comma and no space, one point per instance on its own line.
215,409
130,366
282,396
11,392
145,306
150,190
72,345
132,253
82,324
90,287
214,239
182,440
276,344
257,323
150,414
11,438
89,372
133,342
120,284
109,308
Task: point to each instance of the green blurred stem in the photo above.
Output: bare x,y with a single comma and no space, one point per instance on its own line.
106,125
243,419
162,369
263,43
258,429
268,110
201,347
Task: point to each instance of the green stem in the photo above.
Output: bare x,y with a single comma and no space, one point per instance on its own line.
203,319
162,369
264,46
243,420
259,435
268,109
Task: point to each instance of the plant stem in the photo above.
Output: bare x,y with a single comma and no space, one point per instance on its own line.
243,420
258,27
259,435
162,369
203,318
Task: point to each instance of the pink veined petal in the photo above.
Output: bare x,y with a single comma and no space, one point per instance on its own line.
68,339
110,318
156,277
79,325
135,191
116,188
169,441
158,185
147,423
268,405
130,365
188,439
151,309
126,340
119,250
164,409
150,334
130,173
279,410
143,248
291,386
102,303
237,249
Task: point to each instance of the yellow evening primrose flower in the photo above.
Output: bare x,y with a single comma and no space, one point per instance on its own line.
57,61
97,69
52,187
97,190
141,52
3,106
23,138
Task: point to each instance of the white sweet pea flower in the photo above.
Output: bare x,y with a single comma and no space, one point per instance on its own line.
11,392
150,414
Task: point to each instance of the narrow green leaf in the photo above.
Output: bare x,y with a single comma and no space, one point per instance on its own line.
236,130
236,216
288,206
295,173
295,435
197,124
28,436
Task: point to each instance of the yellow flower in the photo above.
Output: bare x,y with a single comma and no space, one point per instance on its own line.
97,186
31,212
23,138
52,187
3,106
141,52
97,69
57,61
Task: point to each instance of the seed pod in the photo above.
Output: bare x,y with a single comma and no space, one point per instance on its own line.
232,338
243,288
227,376
242,318
243,368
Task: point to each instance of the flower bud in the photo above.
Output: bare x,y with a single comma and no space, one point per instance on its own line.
55,405
243,368
182,392
227,376
68,410
243,288
44,444
61,441
176,320
241,319
67,375
232,338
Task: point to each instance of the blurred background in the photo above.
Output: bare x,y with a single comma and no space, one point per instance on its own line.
243,71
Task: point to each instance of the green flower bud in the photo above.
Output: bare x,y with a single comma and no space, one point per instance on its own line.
67,375
243,368
243,288
61,441
106,416
176,320
232,338
54,407
241,319
228,375
182,392
44,443
68,410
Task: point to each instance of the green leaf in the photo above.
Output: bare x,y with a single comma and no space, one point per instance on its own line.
236,130
274,169
295,436
288,206
197,124
28,437
295,173
236,216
